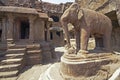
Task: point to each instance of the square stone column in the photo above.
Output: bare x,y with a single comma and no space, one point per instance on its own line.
10,29
4,31
48,31
31,33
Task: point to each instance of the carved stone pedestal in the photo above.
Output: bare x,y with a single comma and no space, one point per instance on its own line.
95,67
75,67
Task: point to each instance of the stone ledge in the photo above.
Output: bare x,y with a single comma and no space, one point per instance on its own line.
90,56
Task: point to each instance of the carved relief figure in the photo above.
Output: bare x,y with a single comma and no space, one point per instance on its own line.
87,22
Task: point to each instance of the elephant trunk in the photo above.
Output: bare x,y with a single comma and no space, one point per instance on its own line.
65,27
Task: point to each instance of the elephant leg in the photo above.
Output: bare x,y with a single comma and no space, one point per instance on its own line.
77,40
84,41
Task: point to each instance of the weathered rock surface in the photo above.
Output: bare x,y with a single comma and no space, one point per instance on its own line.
118,10
111,8
103,6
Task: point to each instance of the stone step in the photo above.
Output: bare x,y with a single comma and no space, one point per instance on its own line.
11,67
35,57
14,46
16,50
8,74
17,47
10,45
11,61
33,47
17,55
34,51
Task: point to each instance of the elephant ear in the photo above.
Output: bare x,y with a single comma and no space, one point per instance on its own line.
80,14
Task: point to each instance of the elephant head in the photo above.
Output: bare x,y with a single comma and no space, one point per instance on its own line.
72,15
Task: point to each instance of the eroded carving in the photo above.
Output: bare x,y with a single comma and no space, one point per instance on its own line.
87,22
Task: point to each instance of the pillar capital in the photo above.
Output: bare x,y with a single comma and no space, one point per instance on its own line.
32,18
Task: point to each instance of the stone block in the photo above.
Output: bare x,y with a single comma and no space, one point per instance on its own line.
75,67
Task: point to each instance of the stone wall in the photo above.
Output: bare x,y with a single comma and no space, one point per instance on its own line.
111,8
103,6
118,9
55,8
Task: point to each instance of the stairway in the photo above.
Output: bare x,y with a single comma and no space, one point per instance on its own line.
12,62
34,54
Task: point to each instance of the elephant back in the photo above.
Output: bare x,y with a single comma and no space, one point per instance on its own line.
96,21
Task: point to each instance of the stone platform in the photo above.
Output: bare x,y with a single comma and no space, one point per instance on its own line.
73,66
97,67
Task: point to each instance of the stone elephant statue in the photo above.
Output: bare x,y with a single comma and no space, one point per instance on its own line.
87,22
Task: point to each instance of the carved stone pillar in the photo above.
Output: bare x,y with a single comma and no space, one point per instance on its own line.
48,31
10,28
31,22
48,35
17,31
4,30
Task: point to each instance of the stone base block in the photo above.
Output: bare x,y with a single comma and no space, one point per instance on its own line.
73,66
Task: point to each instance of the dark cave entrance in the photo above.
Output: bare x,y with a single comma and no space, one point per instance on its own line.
24,29
55,18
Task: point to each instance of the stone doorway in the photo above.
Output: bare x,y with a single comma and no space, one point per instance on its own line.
51,36
24,29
